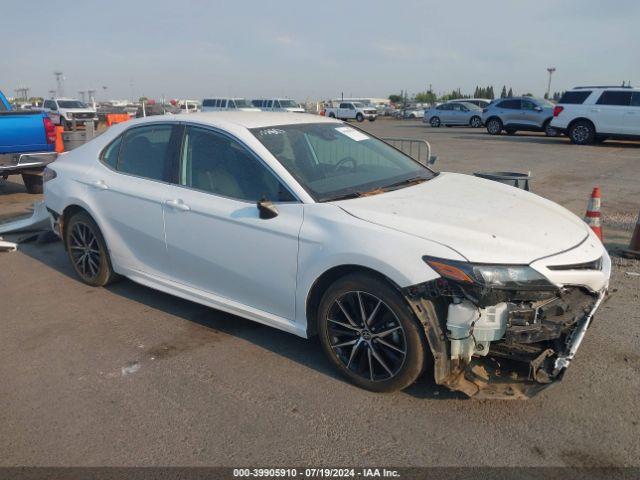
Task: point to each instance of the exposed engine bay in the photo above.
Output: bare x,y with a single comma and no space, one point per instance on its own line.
497,343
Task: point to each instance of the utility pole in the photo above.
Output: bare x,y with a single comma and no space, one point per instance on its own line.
92,97
550,70
59,83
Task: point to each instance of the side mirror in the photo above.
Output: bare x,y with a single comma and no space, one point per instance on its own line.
538,109
267,209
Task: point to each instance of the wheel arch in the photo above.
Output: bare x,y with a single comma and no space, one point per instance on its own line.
584,119
320,285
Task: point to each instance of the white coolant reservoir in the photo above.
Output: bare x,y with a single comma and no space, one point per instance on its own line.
471,329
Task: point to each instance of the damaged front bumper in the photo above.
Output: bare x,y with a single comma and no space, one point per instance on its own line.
510,348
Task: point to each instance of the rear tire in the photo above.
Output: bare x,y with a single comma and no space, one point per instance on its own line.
88,251
33,183
582,132
510,131
370,334
494,126
549,131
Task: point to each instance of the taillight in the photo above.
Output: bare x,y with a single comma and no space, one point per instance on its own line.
48,174
49,130
557,110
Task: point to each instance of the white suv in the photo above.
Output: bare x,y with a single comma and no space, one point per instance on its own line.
594,114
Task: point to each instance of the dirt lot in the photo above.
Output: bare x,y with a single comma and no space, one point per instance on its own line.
130,376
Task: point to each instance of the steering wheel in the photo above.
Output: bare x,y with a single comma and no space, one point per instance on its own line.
345,160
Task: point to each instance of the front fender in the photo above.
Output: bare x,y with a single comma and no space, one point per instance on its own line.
331,238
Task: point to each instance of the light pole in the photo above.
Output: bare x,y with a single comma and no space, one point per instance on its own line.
59,83
550,70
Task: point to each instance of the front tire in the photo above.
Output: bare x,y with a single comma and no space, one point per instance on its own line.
370,334
494,126
87,250
434,122
475,122
360,117
582,132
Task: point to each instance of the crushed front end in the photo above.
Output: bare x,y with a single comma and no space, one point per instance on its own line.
506,331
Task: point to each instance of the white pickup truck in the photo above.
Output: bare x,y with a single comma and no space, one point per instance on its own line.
352,110
63,112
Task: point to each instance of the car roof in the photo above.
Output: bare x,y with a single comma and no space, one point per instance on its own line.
245,119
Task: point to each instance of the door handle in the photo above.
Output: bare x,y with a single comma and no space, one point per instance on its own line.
595,109
177,204
100,185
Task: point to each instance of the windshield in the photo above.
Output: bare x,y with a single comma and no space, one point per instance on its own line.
288,104
71,104
332,160
358,105
546,103
242,103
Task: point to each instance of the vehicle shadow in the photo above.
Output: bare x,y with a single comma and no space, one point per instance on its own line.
307,352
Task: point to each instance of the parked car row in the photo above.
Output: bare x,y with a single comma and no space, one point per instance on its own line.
257,105
585,114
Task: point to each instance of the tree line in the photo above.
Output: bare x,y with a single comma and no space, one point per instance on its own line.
429,96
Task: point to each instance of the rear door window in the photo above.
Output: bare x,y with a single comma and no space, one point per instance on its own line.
510,104
635,99
145,152
615,97
575,98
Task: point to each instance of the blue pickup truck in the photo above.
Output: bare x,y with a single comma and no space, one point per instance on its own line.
27,144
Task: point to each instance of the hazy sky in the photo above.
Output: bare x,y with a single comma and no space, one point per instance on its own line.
304,49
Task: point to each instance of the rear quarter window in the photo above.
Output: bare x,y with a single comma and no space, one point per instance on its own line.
574,98
110,154
614,97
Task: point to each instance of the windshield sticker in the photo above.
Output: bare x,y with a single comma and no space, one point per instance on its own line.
352,133
271,131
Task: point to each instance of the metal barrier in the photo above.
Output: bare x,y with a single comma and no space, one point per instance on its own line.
419,150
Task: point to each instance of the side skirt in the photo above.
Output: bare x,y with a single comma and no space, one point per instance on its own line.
214,301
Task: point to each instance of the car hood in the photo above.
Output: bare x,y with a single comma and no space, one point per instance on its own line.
482,220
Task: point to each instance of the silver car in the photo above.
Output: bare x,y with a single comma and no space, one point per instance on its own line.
454,113
519,113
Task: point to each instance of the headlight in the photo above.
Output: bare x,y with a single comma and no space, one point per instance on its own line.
507,277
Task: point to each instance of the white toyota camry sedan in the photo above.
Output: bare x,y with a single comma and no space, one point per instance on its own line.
312,226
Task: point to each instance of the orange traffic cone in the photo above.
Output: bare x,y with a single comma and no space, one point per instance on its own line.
592,217
59,142
634,246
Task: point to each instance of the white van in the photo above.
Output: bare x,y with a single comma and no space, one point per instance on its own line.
278,105
217,104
